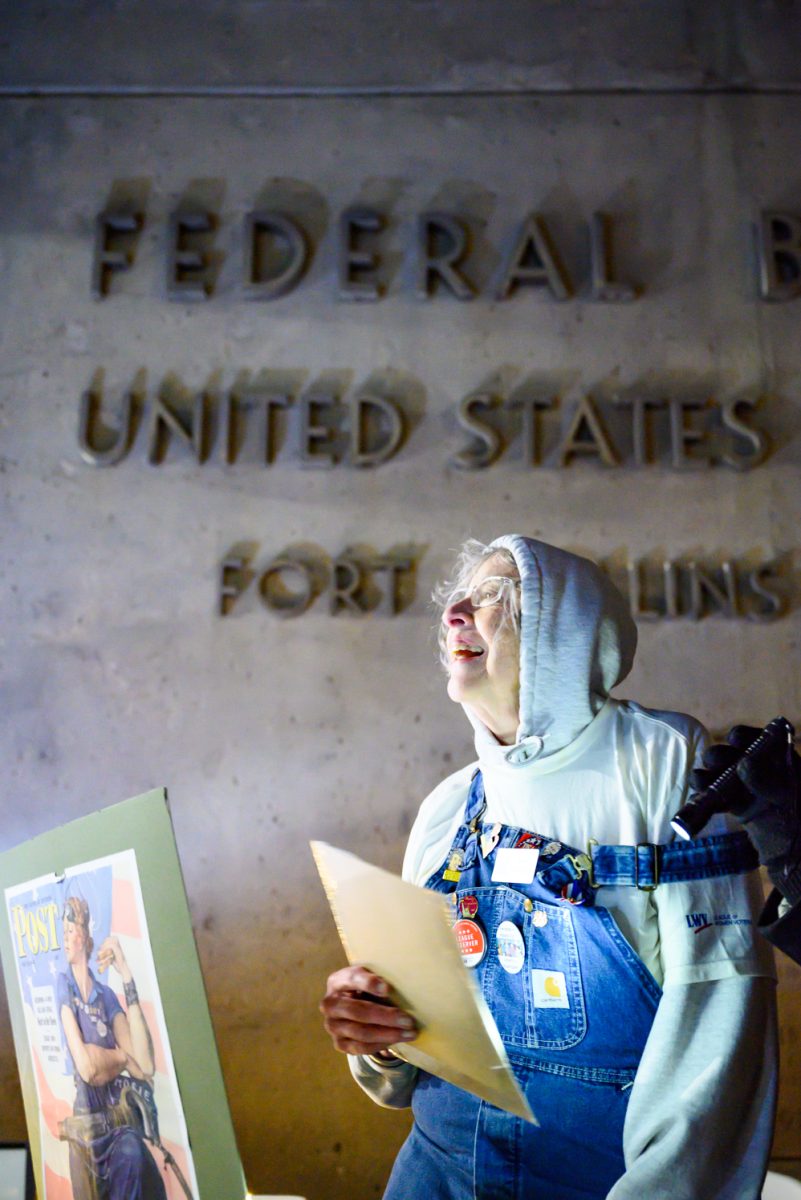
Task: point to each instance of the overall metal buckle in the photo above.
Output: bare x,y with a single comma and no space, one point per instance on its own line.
646,887
476,820
582,864
591,869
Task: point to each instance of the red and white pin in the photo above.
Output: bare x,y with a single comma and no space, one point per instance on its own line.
471,941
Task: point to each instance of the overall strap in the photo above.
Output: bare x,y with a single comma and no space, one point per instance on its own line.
476,804
576,875
648,865
462,853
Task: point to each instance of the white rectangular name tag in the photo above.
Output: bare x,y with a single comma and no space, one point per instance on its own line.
515,866
549,989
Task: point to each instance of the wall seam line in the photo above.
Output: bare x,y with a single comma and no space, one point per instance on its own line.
137,92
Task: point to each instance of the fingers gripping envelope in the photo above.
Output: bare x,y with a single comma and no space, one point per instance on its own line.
403,933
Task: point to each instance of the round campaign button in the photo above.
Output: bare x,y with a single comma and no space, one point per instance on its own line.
540,919
468,906
531,841
102,1028
471,941
551,848
511,950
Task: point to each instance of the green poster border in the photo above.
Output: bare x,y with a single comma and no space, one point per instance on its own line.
141,824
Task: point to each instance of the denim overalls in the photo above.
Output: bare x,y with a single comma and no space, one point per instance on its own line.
574,1005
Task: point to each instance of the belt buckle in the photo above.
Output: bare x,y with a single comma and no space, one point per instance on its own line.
646,887
591,870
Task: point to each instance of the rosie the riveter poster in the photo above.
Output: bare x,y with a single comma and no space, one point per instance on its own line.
107,1096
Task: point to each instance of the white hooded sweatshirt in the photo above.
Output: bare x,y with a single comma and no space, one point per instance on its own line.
585,767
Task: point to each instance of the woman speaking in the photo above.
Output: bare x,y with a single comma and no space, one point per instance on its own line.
632,992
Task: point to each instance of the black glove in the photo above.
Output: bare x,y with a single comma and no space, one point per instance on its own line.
765,795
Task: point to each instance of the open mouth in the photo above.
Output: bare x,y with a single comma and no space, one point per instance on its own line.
463,653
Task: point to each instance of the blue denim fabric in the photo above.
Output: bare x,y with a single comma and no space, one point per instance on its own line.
647,865
576,1064
116,1166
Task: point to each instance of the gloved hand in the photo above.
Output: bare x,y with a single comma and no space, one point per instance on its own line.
765,796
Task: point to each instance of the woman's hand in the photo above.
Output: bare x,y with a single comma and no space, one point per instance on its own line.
110,955
357,1014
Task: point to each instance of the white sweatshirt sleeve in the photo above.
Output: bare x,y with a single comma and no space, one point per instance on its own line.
700,1117
389,1086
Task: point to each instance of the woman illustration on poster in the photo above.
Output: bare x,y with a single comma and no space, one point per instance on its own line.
113,1067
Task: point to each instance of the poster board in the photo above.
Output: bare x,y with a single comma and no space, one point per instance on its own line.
85,907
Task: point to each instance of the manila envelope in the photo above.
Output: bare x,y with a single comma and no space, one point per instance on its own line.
403,933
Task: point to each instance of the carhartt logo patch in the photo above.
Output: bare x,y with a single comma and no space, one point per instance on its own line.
549,989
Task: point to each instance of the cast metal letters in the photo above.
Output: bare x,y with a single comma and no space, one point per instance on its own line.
360,456
586,436
259,226
778,238
474,457
119,226
533,260
187,266
530,432
277,596
316,448
356,267
441,246
682,437
91,401
163,422
602,286
346,583
440,265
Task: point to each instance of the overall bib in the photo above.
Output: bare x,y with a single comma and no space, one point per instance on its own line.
574,1005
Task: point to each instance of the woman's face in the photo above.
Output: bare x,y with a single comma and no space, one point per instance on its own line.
74,941
484,655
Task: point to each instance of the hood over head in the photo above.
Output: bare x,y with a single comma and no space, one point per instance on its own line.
577,641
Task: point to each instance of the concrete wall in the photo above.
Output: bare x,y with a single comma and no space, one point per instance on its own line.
118,672
314,46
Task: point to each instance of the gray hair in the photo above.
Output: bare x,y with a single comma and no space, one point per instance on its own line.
469,558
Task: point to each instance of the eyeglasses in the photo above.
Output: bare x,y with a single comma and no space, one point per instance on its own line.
490,591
